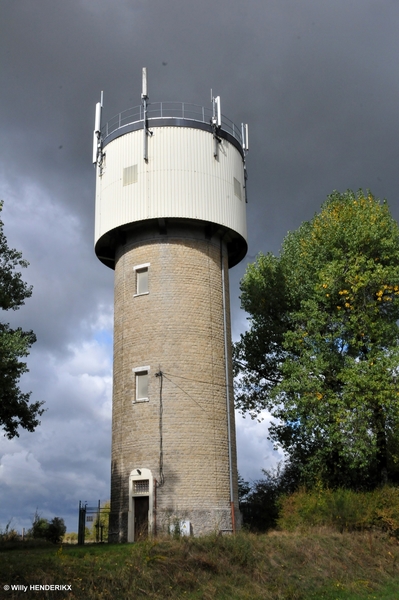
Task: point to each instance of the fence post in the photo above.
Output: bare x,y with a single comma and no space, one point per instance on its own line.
81,523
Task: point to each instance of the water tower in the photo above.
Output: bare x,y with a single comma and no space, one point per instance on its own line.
171,220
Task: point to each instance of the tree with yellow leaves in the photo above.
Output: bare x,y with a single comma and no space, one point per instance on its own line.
322,352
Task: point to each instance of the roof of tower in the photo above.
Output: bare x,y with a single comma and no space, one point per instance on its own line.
171,114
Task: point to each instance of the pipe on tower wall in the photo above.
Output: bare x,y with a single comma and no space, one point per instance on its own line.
227,387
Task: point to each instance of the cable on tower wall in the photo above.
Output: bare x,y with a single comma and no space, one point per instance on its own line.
161,474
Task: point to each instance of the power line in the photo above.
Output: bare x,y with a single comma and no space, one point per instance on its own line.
184,391
196,380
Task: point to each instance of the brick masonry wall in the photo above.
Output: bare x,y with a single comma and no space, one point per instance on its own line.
176,328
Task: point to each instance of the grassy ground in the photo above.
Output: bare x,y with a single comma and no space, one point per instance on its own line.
277,566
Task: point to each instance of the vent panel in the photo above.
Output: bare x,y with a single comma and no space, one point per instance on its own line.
141,487
130,175
237,188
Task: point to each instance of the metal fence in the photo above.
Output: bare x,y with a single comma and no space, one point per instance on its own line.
97,517
169,110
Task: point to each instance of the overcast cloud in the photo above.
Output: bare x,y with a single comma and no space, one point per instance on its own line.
316,81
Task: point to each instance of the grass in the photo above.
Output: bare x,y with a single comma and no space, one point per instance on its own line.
318,564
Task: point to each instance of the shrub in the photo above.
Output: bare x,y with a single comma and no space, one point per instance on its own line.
259,502
9,534
341,509
386,509
52,531
70,538
39,527
56,530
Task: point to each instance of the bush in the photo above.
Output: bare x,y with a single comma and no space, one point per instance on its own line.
9,534
52,531
259,502
341,509
39,527
56,530
386,509
70,538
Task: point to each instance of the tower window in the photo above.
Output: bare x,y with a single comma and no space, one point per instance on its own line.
141,375
141,279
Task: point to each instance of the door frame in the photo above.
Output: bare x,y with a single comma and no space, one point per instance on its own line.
140,474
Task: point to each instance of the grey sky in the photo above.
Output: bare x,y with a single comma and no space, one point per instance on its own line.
316,81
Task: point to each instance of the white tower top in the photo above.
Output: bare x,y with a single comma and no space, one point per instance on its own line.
170,161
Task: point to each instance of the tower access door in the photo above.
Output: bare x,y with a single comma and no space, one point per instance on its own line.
141,508
141,505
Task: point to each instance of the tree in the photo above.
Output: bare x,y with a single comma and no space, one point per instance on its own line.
260,500
56,530
322,349
15,409
39,529
52,531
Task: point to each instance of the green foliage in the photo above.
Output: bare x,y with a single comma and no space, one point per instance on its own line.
322,349
15,409
260,504
70,538
243,488
341,509
8,534
100,523
39,527
52,531
56,530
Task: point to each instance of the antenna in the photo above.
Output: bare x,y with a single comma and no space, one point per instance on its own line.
144,98
216,122
244,136
97,141
144,94
218,112
94,148
97,121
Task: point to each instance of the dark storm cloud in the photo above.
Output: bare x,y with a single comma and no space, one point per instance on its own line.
314,80
317,83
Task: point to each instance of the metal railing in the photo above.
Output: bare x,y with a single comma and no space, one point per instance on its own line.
168,110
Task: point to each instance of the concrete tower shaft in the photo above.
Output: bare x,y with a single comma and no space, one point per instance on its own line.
171,222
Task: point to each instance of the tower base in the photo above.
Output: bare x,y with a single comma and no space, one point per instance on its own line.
176,523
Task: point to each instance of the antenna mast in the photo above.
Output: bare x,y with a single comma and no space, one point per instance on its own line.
144,98
216,123
97,137
245,147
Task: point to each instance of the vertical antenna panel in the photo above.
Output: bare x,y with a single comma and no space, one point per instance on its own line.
219,111
94,147
246,137
144,93
97,122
